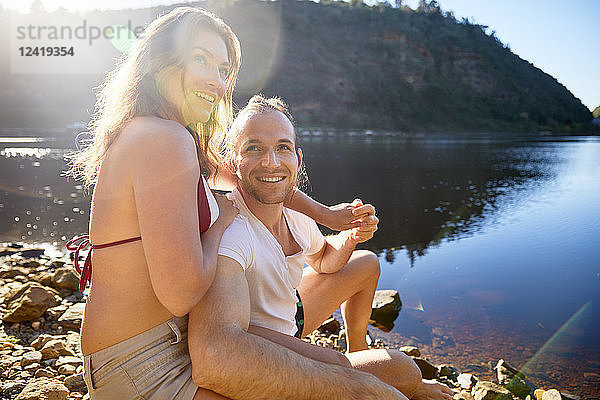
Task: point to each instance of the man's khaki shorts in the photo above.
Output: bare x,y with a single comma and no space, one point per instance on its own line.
152,365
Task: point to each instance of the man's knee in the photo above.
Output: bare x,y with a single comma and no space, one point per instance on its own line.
370,263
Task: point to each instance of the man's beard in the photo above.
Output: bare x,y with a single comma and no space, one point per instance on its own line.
262,196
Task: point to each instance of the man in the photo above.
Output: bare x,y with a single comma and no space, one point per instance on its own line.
260,287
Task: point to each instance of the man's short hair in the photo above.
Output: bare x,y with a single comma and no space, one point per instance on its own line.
258,105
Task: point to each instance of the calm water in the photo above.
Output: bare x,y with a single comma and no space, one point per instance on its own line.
494,245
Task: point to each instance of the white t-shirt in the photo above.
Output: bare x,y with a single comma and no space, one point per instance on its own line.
272,276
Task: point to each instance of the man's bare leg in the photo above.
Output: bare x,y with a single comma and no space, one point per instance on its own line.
353,287
322,294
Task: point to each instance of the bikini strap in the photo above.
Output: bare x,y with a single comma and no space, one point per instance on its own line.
82,242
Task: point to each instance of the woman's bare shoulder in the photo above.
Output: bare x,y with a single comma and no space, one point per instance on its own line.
149,136
149,128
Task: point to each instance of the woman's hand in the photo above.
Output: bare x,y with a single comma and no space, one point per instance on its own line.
227,211
345,216
366,229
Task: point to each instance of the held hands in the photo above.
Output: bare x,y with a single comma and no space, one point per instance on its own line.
365,224
345,216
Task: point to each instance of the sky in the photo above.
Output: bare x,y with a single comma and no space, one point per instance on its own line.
559,37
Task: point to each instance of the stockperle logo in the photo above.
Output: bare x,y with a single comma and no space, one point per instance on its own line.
71,43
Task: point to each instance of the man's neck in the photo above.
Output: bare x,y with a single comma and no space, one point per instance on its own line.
271,215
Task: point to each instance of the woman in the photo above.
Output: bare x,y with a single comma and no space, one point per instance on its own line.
155,225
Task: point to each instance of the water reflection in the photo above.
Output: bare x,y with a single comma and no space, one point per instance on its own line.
37,204
426,191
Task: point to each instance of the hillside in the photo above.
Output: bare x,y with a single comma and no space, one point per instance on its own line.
348,67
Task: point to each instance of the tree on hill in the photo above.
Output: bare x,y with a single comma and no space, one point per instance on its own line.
596,112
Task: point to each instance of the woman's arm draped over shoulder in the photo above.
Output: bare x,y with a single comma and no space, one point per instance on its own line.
339,217
165,176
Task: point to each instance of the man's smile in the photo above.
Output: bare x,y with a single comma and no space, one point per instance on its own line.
271,179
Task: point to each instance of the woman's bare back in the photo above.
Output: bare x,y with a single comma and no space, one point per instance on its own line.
146,185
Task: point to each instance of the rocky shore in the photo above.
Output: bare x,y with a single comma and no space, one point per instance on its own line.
41,311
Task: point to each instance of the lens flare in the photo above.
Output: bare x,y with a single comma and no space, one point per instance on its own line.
557,341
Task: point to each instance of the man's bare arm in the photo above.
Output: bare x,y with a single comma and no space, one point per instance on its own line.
335,253
318,353
228,360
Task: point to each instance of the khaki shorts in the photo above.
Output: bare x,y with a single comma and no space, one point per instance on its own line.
152,365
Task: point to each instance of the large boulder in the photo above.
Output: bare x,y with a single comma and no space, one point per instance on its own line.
29,302
44,389
71,319
385,309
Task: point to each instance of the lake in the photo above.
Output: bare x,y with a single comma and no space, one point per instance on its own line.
492,243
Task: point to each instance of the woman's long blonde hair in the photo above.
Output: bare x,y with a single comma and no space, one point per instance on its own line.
131,90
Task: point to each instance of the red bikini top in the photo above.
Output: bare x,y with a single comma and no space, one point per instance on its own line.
82,242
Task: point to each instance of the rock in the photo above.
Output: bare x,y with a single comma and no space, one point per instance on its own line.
505,372
8,251
74,343
69,360
512,379
45,278
386,307
35,325
568,396
410,351
485,390
65,278
518,387
40,341
55,348
12,388
44,373
551,394
428,370
466,381
31,357
31,253
44,389
66,369
331,326
55,313
463,395
71,319
538,393
75,383
13,272
28,302
448,371
32,368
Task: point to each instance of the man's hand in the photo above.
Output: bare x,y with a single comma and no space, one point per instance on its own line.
345,216
367,222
